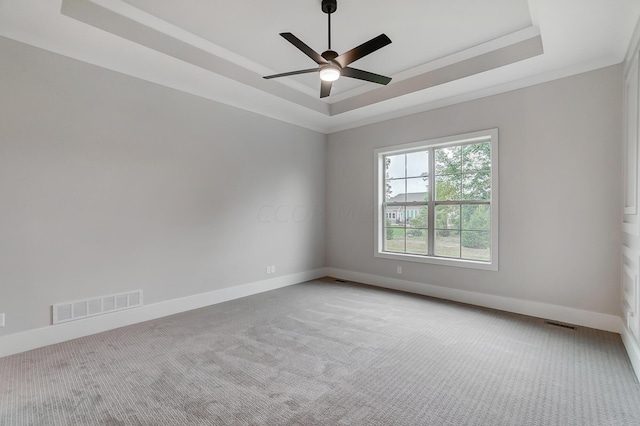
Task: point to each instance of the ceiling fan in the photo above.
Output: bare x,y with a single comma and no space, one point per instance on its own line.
332,66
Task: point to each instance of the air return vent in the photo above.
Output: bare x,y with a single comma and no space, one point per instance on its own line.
71,311
561,325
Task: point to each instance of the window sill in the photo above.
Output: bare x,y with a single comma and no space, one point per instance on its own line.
460,263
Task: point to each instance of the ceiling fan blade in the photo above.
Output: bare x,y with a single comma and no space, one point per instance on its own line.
304,48
284,74
363,50
365,75
325,88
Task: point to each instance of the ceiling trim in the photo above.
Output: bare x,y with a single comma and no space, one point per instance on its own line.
100,17
497,58
634,44
397,110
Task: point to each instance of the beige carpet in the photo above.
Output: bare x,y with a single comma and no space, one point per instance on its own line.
327,353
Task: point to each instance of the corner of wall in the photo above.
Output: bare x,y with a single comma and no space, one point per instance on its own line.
630,259
633,350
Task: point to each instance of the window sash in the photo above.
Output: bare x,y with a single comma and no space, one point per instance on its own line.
431,203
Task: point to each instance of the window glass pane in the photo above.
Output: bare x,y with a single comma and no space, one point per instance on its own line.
476,217
447,243
417,241
448,160
394,215
447,217
476,186
476,157
417,189
394,239
459,200
448,187
418,164
417,217
394,166
395,191
476,245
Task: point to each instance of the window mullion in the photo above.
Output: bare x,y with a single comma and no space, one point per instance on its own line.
431,209
404,216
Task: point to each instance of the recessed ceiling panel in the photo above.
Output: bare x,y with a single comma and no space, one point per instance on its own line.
421,31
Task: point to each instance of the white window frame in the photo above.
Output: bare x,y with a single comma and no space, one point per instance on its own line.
480,136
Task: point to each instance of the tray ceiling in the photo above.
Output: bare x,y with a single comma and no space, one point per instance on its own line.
442,52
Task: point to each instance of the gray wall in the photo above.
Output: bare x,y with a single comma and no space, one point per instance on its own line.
110,184
560,192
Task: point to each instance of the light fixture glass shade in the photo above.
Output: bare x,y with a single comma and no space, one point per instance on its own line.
329,73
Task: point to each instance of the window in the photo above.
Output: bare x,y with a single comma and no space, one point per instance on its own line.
437,201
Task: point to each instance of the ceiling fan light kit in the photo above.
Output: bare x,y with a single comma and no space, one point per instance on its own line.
332,66
329,72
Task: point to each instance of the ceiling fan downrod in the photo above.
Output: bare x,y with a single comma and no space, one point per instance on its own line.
328,7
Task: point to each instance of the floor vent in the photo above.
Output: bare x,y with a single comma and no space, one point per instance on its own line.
71,311
557,324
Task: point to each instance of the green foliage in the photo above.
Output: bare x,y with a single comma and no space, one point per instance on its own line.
419,221
447,218
448,187
388,193
476,219
477,240
463,172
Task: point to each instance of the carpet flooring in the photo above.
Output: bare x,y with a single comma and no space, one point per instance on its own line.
327,353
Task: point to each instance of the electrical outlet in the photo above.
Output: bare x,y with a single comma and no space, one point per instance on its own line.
273,269
399,269
2,319
268,269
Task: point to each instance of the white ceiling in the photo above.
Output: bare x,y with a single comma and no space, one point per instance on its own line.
442,51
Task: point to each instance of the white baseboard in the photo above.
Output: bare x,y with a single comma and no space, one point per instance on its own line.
632,347
525,307
36,338
32,339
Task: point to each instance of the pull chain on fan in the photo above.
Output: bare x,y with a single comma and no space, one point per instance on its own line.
332,66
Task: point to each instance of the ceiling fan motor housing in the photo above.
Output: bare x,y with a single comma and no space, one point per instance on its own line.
329,55
329,6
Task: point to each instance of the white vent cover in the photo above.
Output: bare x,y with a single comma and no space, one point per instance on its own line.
71,311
